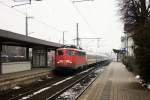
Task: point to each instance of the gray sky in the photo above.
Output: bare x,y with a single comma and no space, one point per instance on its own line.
96,18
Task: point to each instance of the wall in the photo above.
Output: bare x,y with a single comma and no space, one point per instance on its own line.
11,67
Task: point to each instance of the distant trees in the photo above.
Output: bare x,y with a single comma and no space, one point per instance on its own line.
136,17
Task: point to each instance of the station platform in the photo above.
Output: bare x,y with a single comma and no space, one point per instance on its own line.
11,80
116,83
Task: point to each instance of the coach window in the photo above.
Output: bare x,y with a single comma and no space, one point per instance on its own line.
79,53
60,52
83,54
70,53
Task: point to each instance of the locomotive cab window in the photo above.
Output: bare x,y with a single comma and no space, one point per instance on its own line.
70,53
79,53
59,52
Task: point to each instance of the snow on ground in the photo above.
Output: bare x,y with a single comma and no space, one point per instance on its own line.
99,70
26,97
48,77
84,71
148,86
16,87
40,80
137,76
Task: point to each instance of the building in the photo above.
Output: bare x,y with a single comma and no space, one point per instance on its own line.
127,44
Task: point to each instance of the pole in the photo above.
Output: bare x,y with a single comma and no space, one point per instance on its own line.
77,35
127,46
63,38
0,58
29,1
26,26
27,33
26,30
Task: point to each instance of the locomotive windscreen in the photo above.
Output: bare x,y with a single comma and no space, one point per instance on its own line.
70,52
60,52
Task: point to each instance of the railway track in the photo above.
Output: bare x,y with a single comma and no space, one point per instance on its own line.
53,88
74,90
51,92
32,92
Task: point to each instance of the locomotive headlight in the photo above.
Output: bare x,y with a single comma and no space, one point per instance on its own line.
68,61
58,62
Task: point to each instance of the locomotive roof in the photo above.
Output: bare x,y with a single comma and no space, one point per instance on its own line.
71,49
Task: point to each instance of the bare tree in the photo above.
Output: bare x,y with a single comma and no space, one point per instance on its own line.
136,18
134,13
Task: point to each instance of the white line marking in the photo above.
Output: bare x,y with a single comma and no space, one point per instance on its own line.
62,81
44,89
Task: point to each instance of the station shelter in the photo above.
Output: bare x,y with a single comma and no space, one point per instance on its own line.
19,52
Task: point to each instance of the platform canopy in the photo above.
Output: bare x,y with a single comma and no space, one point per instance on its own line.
14,39
119,51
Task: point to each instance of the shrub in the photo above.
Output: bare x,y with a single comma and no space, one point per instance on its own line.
129,62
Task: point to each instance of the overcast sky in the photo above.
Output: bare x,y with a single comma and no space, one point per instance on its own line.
97,19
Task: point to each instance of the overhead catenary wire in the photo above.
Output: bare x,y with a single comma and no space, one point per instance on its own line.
82,16
4,4
25,14
52,27
81,1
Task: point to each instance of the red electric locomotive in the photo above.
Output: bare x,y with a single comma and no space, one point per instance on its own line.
70,58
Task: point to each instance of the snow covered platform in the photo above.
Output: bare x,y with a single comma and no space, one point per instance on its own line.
116,83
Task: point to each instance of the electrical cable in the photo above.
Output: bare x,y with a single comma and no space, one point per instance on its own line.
25,14
80,13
